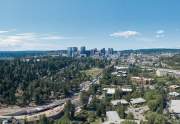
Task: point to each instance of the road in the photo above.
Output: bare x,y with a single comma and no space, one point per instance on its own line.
53,109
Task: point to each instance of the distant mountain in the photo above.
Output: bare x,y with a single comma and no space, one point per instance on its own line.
153,51
17,54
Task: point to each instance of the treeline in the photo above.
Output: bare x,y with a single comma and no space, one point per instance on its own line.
172,62
15,54
23,81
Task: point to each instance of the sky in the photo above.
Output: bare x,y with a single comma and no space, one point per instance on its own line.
58,24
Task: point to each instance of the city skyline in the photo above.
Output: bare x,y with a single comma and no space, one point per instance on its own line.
118,24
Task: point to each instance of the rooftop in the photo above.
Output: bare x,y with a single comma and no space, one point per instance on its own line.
173,94
142,78
169,70
137,100
121,101
174,86
112,118
110,90
120,67
126,89
175,106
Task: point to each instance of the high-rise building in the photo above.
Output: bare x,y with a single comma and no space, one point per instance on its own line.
88,53
93,51
69,51
83,50
72,51
103,51
75,49
110,51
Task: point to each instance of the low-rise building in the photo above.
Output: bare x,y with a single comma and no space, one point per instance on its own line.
141,80
110,91
120,73
126,89
168,72
121,67
134,101
119,101
112,118
173,94
114,73
175,107
138,113
173,87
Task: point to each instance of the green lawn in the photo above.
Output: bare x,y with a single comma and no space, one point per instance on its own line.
98,121
93,72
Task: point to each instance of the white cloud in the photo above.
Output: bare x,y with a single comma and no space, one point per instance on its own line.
27,34
125,34
27,37
1,32
16,39
54,38
30,40
6,31
160,34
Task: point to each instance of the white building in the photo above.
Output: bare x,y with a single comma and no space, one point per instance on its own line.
112,118
175,107
110,91
121,67
126,89
114,73
134,101
119,101
170,72
175,94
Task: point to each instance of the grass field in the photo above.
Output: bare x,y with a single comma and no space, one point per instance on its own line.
98,121
93,72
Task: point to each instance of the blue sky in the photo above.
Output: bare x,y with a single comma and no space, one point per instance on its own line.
57,24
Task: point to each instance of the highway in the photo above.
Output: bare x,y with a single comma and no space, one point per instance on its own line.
53,109
34,114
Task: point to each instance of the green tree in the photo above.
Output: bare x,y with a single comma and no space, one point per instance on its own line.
121,111
128,122
130,116
155,100
69,109
84,97
155,118
64,120
101,109
43,120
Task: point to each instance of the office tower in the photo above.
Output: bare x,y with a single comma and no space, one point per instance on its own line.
69,51
74,51
110,51
83,50
93,51
103,51
88,53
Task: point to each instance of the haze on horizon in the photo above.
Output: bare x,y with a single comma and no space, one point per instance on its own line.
58,24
